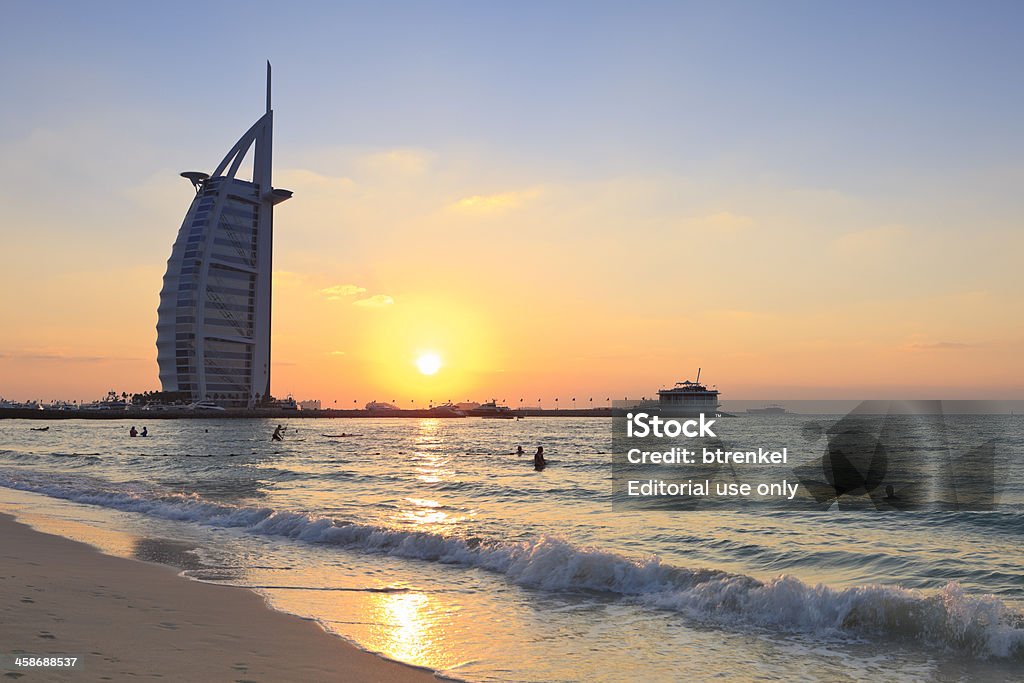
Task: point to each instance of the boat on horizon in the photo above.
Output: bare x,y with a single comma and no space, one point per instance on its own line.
287,403
688,398
491,410
15,405
446,410
111,402
381,407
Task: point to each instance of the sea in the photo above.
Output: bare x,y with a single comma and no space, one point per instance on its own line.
429,541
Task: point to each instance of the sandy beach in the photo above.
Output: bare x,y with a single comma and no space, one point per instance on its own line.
129,619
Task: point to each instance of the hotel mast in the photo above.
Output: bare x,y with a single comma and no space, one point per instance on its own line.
213,327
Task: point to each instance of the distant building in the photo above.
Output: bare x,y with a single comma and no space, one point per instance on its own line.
312,404
213,327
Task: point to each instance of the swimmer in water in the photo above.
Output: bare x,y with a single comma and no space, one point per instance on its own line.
145,431
277,434
133,431
520,451
539,462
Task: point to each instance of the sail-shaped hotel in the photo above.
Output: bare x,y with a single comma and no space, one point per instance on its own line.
213,327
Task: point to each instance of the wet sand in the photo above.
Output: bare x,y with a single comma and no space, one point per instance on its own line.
126,619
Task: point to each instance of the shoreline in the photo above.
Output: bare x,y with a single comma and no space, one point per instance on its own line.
124,617
32,414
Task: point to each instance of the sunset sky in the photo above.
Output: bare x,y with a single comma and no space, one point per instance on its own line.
807,200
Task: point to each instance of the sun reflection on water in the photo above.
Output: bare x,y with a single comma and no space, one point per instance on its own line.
409,629
432,464
425,513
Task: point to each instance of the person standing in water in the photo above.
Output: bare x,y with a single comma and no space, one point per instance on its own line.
277,434
133,431
539,462
520,451
145,431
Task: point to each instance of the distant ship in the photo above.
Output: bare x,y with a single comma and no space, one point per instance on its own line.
30,405
287,403
688,398
770,409
380,407
446,410
111,402
492,410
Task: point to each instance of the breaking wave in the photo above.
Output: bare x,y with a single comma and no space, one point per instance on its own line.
982,626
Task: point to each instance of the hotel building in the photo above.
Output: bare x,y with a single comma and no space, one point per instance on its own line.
213,327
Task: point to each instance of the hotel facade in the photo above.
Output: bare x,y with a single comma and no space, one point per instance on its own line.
213,326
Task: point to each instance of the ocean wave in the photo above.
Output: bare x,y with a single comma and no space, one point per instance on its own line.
87,456
982,626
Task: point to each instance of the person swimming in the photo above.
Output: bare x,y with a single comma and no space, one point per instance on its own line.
277,434
520,451
539,462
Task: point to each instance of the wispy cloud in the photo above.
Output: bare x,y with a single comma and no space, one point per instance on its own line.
400,161
376,301
336,353
337,292
501,201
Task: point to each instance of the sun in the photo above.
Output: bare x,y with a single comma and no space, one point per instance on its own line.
429,363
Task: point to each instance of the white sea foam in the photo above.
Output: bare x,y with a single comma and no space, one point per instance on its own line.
982,626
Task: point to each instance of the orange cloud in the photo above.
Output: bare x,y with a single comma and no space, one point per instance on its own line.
338,292
375,301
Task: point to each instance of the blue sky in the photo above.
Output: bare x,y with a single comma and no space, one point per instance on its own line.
840,92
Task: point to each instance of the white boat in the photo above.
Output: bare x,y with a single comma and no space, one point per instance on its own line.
28,405
206,405
688,398
380,407
164,407
446,410
111,402
285,404
492,410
